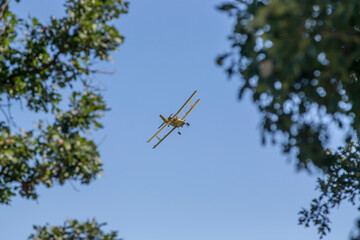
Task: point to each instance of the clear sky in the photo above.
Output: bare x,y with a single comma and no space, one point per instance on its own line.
215,181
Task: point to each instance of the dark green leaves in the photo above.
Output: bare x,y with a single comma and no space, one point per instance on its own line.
342,182
226,7
299,60
73,230
40,64
52,153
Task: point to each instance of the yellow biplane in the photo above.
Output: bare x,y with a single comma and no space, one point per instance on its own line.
174,121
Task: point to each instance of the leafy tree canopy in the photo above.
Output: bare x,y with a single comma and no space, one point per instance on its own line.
38,63
299,60
73,230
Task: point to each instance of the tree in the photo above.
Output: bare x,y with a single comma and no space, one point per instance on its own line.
299,60
73,230
40,63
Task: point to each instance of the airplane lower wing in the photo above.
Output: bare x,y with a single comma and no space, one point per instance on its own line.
159,131
164,137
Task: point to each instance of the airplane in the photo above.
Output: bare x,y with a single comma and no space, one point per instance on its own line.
174,121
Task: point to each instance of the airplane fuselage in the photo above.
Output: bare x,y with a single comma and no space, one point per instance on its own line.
176,122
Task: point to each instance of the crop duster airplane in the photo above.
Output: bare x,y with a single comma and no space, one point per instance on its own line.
174,121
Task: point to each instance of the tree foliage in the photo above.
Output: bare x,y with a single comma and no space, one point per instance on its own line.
73,230
299,60
39,64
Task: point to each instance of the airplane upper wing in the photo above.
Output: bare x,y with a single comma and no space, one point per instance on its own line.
190,109
184,105
163,138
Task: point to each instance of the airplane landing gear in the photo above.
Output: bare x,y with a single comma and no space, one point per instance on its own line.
179,133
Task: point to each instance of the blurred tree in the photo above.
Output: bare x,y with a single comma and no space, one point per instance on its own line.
300,62
73,230
39,63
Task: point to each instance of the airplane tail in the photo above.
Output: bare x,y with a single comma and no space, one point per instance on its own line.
164,121
162,117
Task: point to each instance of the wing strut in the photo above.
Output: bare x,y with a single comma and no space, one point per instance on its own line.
190,109
184,104
159,130
164,137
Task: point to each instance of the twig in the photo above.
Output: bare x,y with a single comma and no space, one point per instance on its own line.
2,15
101,141
6,116
102,72
344,36
9,112
73,186
3,9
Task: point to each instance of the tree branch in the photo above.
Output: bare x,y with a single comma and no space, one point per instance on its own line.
344,36
3,9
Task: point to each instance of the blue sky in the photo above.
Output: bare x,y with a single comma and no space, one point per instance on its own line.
215,181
